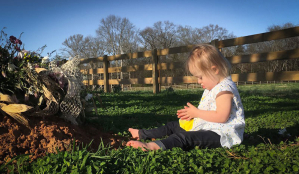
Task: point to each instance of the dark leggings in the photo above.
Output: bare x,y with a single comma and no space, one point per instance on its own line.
178,137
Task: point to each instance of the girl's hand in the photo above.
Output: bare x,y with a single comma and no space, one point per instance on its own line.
188,112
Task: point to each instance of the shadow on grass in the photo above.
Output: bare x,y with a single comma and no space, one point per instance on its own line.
267,102
271,136
269,108
146,99
120,124
158,109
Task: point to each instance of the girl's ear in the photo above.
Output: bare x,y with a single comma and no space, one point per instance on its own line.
215,69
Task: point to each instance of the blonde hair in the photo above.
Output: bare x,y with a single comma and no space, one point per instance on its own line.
203,57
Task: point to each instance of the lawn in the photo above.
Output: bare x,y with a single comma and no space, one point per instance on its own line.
268,110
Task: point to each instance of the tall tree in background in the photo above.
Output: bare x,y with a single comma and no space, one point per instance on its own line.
88,47
212,32
161,35
166,34
94,47
149,38
74,45
85,47
189,36
118,35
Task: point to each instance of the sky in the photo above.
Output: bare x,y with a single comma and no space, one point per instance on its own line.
50,22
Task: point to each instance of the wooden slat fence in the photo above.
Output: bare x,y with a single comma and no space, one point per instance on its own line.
155,66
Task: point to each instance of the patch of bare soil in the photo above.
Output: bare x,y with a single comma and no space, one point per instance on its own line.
48,134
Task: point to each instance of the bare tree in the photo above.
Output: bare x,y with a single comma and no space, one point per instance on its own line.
189,36
88,47
74,45
161,35
212,32
149,38
118,35
94,47
85,47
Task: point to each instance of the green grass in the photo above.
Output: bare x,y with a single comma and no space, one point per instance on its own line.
142,109
268,108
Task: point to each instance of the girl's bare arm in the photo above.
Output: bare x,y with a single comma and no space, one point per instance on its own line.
221,115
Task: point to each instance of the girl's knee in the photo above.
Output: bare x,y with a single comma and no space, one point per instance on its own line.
180,136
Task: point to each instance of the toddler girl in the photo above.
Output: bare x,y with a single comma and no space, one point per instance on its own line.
218,121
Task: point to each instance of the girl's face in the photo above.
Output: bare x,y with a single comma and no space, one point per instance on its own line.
208,82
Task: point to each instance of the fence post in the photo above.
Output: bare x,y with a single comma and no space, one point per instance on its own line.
160,78
92,79
155,71
106,75
88,78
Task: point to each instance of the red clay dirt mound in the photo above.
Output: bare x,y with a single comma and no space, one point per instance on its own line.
48,134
